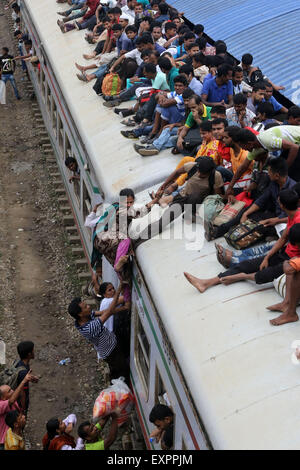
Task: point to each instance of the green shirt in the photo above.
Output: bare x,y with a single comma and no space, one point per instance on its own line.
99,445
160,82
171,75
272,139
190,122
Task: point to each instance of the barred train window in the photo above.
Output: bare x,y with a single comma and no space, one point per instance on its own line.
54,117
161,395
86,203
48,99
60,134
142,349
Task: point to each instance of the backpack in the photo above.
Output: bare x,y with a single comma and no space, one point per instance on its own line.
111,84
256,77
244,235
9,375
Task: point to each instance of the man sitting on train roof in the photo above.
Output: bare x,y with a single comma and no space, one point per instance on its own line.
285,138
266,268
219,89
84,21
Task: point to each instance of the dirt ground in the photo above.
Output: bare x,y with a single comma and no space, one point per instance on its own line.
36,272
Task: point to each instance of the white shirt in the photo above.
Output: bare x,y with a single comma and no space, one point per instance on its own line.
105,303
134,54
126,10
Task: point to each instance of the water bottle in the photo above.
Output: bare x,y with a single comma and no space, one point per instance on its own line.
152,439
63,362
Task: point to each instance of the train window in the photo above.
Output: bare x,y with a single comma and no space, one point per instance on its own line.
76,187
161,395
86,204
142,347
68,149
42,79
54,117
48,99
60,133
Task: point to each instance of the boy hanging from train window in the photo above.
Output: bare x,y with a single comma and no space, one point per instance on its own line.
163,418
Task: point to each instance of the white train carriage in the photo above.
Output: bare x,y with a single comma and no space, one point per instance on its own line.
213,357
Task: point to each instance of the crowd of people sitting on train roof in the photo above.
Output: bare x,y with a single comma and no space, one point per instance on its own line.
238,144
237,141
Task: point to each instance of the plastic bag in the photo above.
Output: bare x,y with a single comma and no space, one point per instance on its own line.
2,92
117,398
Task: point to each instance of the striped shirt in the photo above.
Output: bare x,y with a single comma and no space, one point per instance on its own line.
94,331
179,101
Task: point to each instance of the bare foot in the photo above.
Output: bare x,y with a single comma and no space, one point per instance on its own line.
80,67
200,284
284,318
224,256
281,307
227,280
123,260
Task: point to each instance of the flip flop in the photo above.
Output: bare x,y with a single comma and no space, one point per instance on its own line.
221,256
82,77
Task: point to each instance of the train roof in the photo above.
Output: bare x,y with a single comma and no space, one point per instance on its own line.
237,366
115,163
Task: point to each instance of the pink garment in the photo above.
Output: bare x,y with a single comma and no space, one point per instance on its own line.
5,407
122,250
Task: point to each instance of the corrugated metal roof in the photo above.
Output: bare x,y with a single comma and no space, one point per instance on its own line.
266,29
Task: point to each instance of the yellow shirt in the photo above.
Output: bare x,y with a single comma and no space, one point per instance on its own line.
13,441
210,149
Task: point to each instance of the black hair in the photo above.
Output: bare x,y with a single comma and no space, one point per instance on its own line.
159,412
214,60
201,43
181,79
294,234
206,165
200,58
279,165
130,27
223,70
163,8
221,47
198,28
188,93
146,53
218,109
169,25
190,46
103,287
138,41
106,19
165,63
74,308
146,39
220,121
155,24
24,348
5,49
18,20
81,432
117,11
70,160
268,84
11,418
246,136
233,132
187,69
17,32
28,42
51,426
247,59
294,112
188,35
197,98
289,199
183,28
127,192
148,19
117,27
206,126
258,86
240,98
150,68
237,69
266,108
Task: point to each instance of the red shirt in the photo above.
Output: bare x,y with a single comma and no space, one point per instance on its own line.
292,250
224,151
92,7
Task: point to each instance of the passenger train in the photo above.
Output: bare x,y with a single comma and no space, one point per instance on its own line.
213,357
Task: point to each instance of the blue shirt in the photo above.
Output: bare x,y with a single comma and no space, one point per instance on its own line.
128,44
277,106
215,93
159,48
162,18
270,195
196,86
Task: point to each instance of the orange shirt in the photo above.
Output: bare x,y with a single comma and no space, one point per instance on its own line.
237,161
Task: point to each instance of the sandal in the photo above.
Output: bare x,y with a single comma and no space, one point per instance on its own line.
130,122
221,255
